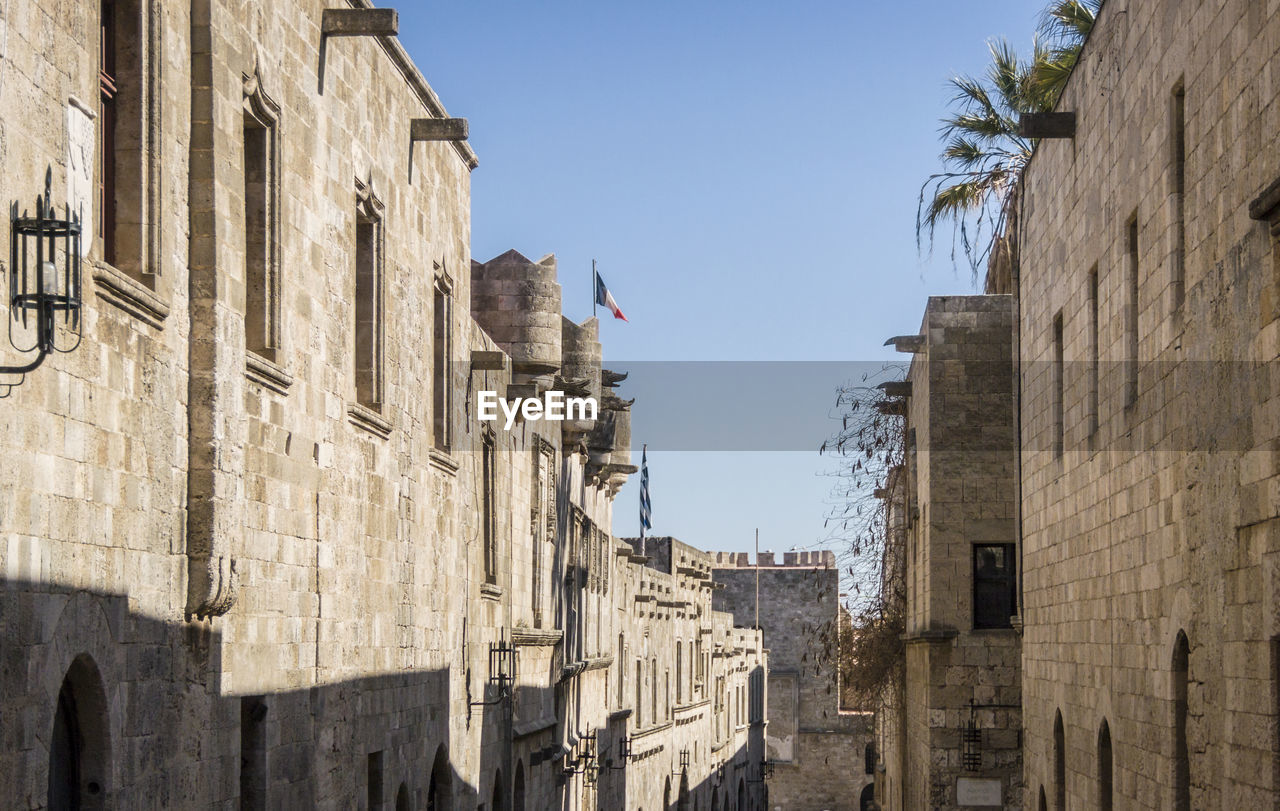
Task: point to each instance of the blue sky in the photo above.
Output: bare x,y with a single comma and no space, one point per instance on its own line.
746,175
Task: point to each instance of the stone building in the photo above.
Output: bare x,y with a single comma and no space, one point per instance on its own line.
692,691
259,548
817,750
949,733
1148,334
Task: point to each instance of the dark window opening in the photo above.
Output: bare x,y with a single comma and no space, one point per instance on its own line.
1105,766
1178,143
441,381
1059,764
261,216
368,302
1131,315
1094,352
375,780
253,753
1059,388
994,585
108,115
488,507
1181,753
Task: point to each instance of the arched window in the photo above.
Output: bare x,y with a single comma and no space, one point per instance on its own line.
1181,755
440,790
1044,801
742,795
402,798
1105,768
666,795
1059,764
867,800
79,747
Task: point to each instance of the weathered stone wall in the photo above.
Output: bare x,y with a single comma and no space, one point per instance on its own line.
957,490
235,527
818,749
701,704
1159,518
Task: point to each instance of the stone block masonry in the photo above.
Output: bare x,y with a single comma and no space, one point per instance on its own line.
817,747
256,549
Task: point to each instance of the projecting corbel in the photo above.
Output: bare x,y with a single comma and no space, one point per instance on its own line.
1047,125
483,360
1266,206
910,344
353,22
359,22
437,129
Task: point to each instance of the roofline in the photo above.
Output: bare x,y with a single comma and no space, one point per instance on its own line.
418,84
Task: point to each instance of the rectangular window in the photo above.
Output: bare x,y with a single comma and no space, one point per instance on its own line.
1094,352
1059,387
123,208
368,300
1131,314
488,508
108,115
679,672
994,583
639,693
1178,147
262,293
441,367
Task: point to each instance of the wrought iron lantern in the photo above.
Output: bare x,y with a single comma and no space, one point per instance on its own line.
764,772
624,755
684,762
502,671
44,279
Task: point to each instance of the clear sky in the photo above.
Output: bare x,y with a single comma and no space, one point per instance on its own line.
746,174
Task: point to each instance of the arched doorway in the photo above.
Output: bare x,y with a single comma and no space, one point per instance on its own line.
79,747
402,798
498,795
868,799
1181,753
1105,768
682,803
517,802
440,789
1059,764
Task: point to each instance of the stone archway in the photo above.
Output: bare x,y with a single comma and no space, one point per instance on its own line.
440,789
80,742
518,800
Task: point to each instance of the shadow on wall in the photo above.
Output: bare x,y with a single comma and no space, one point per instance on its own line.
102,707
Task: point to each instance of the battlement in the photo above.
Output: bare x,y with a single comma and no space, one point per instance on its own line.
816,559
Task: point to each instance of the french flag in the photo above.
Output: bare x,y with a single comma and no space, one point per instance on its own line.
605,299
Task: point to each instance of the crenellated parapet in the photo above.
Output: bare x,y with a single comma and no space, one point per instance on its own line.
517,302
816,559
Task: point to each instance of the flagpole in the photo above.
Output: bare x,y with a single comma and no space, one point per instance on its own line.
757,578
644,451
594,276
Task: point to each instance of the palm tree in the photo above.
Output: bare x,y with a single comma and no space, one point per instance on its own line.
984,154
1065,25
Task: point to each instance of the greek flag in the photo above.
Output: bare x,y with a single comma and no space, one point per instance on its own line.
645,507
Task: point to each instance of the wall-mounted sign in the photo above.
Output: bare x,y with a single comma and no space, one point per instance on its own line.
976,793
